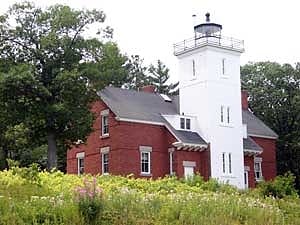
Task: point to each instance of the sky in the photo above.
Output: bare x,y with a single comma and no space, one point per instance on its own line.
149,28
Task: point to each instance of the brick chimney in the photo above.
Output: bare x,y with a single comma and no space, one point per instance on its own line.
244,99
148,88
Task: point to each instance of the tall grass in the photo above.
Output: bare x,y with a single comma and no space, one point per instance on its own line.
51,199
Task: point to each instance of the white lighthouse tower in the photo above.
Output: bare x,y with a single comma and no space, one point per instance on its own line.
210,90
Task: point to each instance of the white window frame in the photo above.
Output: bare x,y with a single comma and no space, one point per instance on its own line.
105,127
193,68
227,163
80,156
258,160
223,67
186,124
104,151
224,162
171,150
145,150
182,122
225,115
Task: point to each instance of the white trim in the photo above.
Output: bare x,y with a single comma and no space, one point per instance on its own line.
104,112
138,121
253,151
182,144
149,163
102,162
261,136
80,155
247,168
189,164
104,150
171,150
145,149
259,161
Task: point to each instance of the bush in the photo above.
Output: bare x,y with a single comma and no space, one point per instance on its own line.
280,187
89,198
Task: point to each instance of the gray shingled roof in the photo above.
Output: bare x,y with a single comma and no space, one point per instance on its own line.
150,107
137,105
255,127
250,144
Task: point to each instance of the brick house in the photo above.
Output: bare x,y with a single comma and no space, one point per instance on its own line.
207,129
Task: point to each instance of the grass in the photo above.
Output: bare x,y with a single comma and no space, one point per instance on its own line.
51,198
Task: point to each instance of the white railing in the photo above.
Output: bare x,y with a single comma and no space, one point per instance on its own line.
218,41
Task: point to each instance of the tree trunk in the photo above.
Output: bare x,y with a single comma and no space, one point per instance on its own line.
52,151
3,159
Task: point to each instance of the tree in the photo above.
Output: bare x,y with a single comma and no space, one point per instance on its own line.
109,67
137,77
274,96
46,90
159,76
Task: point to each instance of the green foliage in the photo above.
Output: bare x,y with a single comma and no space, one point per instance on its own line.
159,77
30,174
136,201
274,97
280,187
137,77
90,202
45,94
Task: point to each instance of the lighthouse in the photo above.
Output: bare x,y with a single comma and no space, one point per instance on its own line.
210,90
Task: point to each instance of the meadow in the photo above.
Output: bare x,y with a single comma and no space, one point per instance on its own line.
30,196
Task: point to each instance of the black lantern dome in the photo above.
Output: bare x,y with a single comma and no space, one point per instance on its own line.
208,29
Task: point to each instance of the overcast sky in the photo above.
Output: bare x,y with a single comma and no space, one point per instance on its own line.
270,28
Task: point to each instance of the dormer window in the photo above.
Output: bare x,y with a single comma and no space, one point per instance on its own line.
182,125
188,124
104,123
185,123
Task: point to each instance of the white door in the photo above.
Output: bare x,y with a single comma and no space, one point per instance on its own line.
246,178
188,171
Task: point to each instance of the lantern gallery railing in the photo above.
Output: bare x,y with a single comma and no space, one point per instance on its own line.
217,41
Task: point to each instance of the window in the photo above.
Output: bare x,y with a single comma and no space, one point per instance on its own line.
105,160
228,115
105,163
229,163
194,70
145,154
223,67
80,163
225,118
80,166
226,163
222,114
145,162
104,123
188,124
223,162
182,124
257,169
185,123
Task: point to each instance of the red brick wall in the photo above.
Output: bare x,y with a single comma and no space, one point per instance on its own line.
200,158
249,161
244,99
268,157
124,141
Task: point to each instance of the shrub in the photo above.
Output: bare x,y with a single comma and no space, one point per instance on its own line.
89,198
280,187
